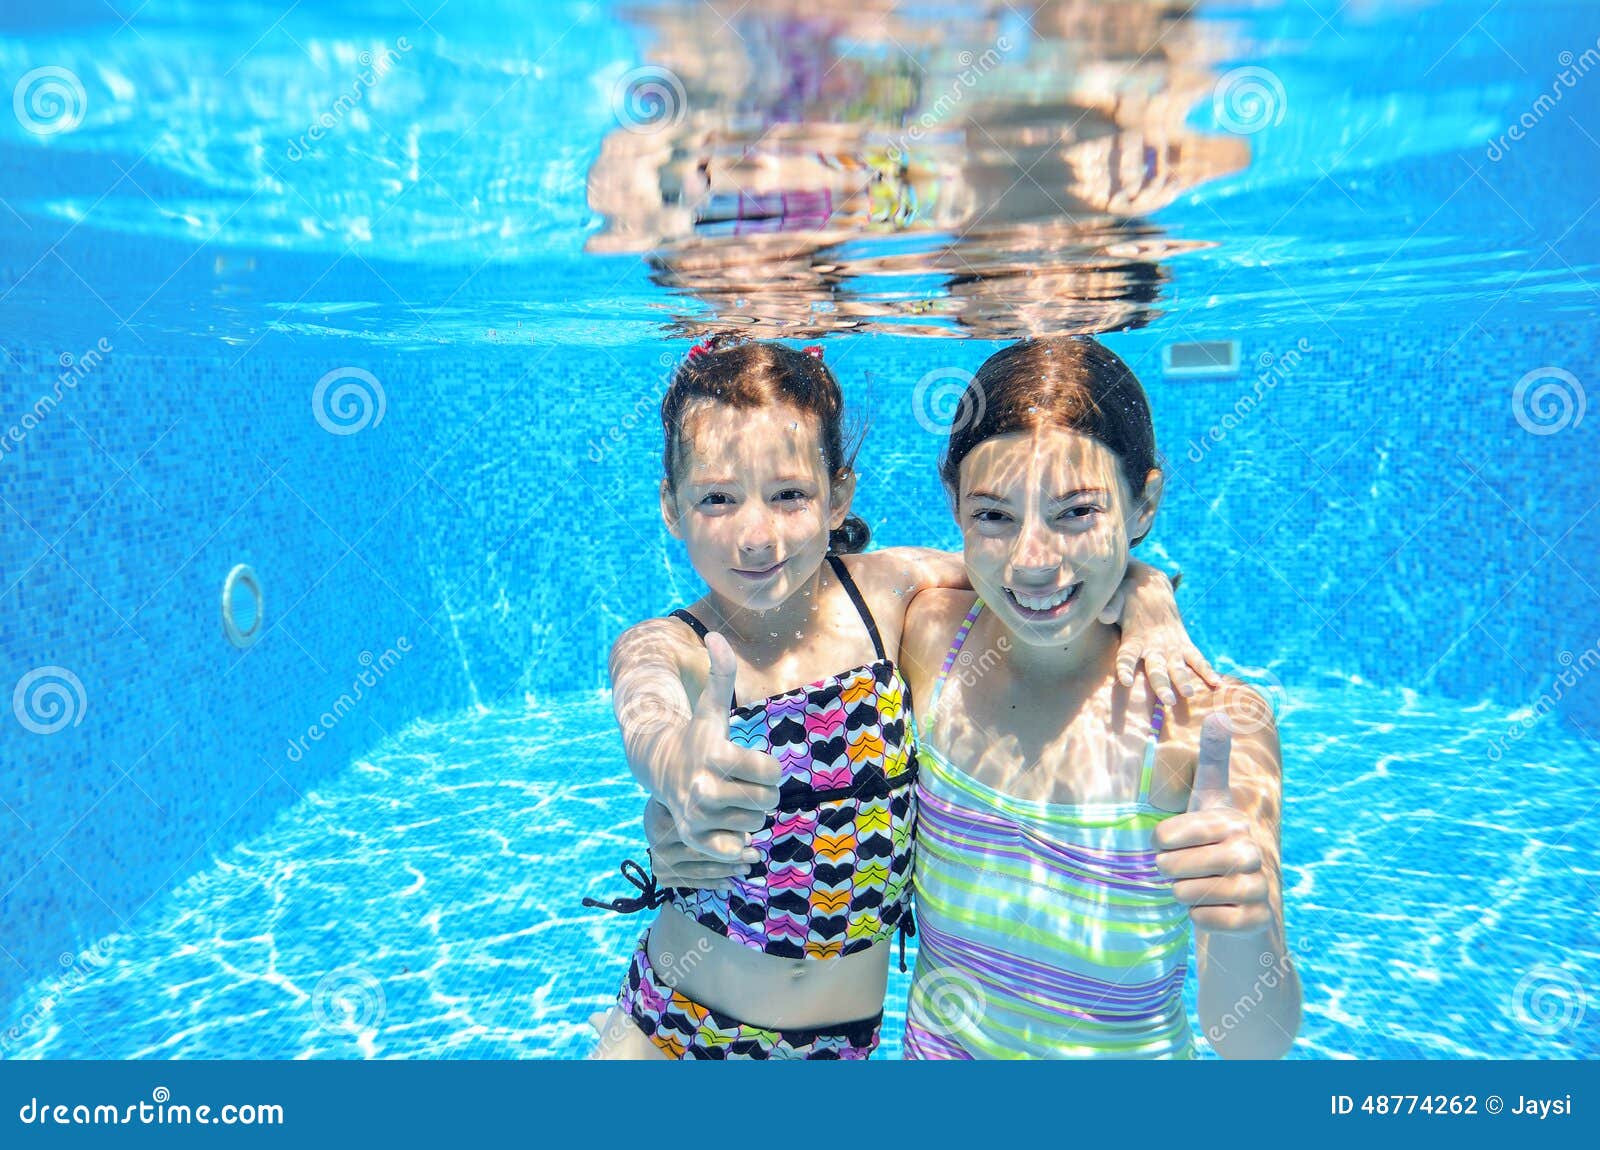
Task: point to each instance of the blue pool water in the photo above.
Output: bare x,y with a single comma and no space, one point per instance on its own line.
1383,514
424,902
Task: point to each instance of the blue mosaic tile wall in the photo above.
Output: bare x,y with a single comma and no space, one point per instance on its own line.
1378,513
124,509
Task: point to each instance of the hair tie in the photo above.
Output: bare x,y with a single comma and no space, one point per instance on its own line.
701,348
814,350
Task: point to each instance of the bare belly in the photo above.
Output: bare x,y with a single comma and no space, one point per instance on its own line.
761,989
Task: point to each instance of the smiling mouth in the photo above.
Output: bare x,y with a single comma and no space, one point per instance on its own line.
759,573
1044,606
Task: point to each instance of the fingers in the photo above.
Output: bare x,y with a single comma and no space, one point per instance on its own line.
1128,656
722,846
710,793
744,765
1184,681
1231,919
1111,613
701,821
1198,828
1234,903
1155,670
1211,770
1211,860
717,699
659,825
1203,668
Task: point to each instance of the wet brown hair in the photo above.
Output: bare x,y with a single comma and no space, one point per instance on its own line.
751,374
1076,384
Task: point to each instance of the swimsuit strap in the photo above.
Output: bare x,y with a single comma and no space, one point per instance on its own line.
1157,718
851,590
950,658
699,627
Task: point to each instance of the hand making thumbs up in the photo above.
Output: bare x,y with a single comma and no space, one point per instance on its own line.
717,790
1208,852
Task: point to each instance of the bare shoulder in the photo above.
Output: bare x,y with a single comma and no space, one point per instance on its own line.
938,605
931,624
1247,709
655,645
1251,716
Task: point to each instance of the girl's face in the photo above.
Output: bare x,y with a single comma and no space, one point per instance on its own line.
753,501
1046,517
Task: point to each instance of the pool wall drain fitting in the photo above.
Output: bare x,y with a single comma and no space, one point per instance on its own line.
242,581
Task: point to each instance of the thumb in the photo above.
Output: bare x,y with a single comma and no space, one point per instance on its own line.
714,702
1211,771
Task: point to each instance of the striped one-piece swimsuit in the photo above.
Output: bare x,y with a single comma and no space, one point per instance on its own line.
1047,931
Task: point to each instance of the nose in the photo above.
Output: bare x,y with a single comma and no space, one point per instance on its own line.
758,535
1034,561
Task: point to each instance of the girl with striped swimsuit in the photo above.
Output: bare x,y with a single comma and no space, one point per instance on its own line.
1073,833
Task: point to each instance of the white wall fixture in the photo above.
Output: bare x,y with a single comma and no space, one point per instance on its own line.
1204,357
243,608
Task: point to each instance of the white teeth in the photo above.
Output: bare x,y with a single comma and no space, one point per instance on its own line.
1036,604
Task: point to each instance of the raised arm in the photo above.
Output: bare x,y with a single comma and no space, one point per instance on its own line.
1224,857
914,569
716,790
